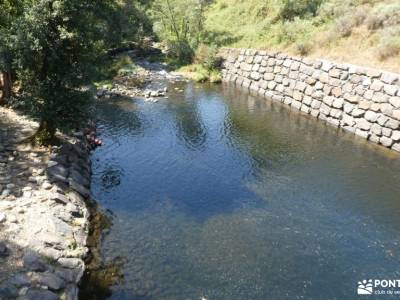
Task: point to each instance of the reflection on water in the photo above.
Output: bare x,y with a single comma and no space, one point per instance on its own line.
222,195
188,122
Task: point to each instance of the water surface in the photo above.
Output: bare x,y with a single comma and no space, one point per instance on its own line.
219,194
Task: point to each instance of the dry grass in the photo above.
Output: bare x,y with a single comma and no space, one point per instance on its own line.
362,32
358,49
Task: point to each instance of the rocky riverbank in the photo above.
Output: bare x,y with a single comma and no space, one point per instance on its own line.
147,82
44,219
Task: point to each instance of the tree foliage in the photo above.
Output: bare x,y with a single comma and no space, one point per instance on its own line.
180,23
9,12
54,48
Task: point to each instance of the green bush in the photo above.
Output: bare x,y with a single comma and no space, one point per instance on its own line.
207,56
215,76
122,65
181,50
291,9
199,73
287,33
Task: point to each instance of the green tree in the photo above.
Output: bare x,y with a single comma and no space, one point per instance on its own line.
298,8
9,12
54,48
180,23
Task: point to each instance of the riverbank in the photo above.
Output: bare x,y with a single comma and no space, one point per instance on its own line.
147,81
44,218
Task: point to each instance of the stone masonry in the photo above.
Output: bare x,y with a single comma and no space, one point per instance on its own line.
361,100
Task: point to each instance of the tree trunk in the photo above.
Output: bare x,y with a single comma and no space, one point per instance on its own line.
45,134
6,80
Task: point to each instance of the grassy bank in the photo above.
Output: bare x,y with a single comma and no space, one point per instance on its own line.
199,73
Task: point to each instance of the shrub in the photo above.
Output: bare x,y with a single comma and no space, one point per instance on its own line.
196,72
181,50
374,22
358,16
389,44
303,48
199,73
215,76
287,33
384,15
344,26
123,65
200,77
207,56
291,9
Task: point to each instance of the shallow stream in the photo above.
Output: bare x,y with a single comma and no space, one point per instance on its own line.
219,194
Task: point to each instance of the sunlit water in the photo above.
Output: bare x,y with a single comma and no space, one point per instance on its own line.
219,194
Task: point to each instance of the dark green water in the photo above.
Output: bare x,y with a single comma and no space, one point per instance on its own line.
219,194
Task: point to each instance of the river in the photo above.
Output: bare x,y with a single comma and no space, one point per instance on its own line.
218,194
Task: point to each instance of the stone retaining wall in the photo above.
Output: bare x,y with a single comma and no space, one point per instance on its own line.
361,100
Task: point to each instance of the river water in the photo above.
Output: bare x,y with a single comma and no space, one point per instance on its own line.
218,194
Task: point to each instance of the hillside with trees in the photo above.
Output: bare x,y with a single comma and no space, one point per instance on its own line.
365,32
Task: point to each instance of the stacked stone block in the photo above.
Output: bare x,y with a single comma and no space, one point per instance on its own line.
361,100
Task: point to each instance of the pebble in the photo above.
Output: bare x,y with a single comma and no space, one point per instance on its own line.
12,219
32,179
3,249
5,193
52,163
10,186
46,185
70,263
59,198
27,194
2,217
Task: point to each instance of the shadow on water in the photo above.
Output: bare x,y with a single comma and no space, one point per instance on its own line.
99,275
119,115
271,204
